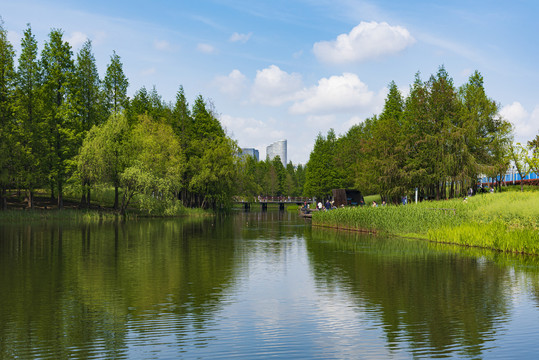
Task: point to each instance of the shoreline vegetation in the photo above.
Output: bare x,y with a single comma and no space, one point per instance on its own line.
506,221
45,209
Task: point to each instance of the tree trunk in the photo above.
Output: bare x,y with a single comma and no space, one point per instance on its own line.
60,196
83,199
30,200
116,197
3,199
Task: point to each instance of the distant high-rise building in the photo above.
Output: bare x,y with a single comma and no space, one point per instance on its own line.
277,148
250,152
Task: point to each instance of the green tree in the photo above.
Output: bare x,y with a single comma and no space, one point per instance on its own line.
533,158
214,182
181,120
519,156
28,108
86,90
156,165
321,176
105,155
418,164
486,134
115,85
205,124
387,147
86,103
57,65
7,82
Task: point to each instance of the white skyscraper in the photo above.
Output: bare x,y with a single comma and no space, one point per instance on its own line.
277,148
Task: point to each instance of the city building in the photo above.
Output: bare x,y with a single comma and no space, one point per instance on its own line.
250,152
278,148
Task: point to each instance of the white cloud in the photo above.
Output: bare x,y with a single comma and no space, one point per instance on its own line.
14,38
242,38
526,125
336,94
161,44
366,41
148,72
206,48
251,132
233,84
273,86
321,121
76,39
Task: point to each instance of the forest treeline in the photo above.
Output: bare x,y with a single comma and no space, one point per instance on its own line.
438,139
62,126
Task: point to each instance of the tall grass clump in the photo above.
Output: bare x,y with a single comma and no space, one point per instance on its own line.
507,221
84,216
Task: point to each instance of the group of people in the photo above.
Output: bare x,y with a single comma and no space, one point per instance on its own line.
325,207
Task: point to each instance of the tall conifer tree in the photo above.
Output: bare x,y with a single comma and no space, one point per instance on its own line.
7,81
29,112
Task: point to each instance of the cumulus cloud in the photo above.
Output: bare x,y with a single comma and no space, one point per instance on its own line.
76,39
206,48
366,41
242,38
251,132
233,84
336,94
526,125
273,86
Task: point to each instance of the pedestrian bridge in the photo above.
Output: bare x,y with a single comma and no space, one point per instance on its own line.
263,201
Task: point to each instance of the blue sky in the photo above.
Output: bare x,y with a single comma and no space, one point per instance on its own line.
291,69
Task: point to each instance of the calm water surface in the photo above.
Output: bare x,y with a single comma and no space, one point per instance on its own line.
256,285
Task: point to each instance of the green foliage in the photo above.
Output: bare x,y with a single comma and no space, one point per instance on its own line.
8,142
61,125
321,175
215,173
115,85
439,140
61,129
28,109
506,221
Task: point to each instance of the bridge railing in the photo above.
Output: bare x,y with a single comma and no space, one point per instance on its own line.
273,199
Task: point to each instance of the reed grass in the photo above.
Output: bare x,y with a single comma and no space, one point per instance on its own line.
507,221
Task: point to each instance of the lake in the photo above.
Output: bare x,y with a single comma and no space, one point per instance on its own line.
256,285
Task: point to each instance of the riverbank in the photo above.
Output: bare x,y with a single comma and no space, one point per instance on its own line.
46,209
507,221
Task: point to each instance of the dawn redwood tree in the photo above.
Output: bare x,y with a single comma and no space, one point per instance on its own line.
115,86
61,133
321,175
7,142
388,147
28,108
86,102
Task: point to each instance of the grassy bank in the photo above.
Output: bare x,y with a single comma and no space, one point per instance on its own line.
45,209
506,221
